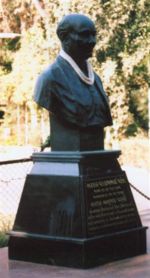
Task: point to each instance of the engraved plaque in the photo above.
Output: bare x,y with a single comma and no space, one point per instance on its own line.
110,206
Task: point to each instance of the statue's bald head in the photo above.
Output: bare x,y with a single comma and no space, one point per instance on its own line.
77,35
72,23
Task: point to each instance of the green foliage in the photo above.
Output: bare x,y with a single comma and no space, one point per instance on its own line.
138,84
3,239
121,55
5,59
132,130
6,222
13,44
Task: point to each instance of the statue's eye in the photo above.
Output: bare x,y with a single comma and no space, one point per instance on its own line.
87,33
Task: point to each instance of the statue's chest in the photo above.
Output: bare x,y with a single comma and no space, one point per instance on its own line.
86,95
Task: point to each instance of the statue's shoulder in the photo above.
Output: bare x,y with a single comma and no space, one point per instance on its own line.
97,77
46,85
53,72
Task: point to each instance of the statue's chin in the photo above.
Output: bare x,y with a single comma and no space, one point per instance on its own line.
88,55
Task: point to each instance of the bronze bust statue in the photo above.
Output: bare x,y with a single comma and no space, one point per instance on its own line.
72,92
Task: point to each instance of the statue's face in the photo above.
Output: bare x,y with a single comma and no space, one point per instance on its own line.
82,39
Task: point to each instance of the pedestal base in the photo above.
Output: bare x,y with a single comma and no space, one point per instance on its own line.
80,253
76,210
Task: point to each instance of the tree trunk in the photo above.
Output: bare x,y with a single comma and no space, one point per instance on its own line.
26,126
18,126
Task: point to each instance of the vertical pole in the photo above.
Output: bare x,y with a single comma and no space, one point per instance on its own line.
26,125
18,126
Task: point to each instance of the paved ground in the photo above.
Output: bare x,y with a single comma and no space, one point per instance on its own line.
137,267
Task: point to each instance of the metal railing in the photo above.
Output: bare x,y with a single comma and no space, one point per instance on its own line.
12,178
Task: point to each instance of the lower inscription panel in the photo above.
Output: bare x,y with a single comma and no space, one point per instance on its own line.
110,205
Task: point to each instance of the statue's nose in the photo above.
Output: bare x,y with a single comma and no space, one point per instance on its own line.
92,41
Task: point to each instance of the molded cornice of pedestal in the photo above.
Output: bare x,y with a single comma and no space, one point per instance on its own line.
75,156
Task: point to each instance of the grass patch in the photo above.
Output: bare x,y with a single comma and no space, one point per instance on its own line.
4,238
6,223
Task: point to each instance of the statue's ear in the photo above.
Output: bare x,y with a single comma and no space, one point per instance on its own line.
62,35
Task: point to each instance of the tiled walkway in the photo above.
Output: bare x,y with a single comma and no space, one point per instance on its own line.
137,267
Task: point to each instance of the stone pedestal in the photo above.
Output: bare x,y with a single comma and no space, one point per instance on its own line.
76,210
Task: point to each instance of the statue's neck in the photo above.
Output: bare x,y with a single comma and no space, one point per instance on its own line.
82,65
80,62
84,70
